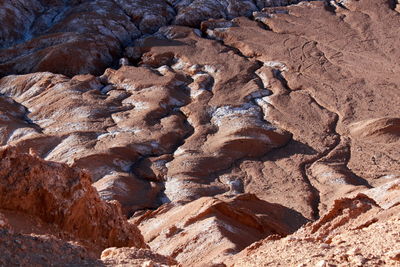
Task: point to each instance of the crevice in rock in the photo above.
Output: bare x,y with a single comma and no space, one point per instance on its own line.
315,201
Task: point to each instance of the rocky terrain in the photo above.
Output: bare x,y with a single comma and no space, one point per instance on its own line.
199,133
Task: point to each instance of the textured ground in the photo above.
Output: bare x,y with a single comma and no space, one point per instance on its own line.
355,232
213,123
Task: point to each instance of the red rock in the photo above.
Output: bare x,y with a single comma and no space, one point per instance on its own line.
64,197
209,229
297,104
358,231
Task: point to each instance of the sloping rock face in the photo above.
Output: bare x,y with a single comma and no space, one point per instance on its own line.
243,115
321,67
356,231
214,228
63,197
75,37
43,250
175,117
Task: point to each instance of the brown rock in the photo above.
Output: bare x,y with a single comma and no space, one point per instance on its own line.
297,104
319,63
81,35
134,257
354,239
105,140
64,197
40,250
394,255
209,229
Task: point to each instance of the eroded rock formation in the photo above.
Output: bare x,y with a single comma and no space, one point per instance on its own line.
211,124
214,228
62,197
356,231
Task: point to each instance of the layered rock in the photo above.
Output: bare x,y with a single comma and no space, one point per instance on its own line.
111,124
226,122
93,130
296,104
211,104
308,46
80,37
208,230
68,38
63,197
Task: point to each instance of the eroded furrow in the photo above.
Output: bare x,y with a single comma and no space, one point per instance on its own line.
219,134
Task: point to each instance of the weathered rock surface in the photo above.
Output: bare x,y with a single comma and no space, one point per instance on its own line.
134,257
79,37
62,197
354,232
110,124
194,117
210,228
318,65
40,250
26,240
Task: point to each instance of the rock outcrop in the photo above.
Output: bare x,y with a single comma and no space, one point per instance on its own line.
355,231
326,90
62,197
110,124
210,229
211,124
79,37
